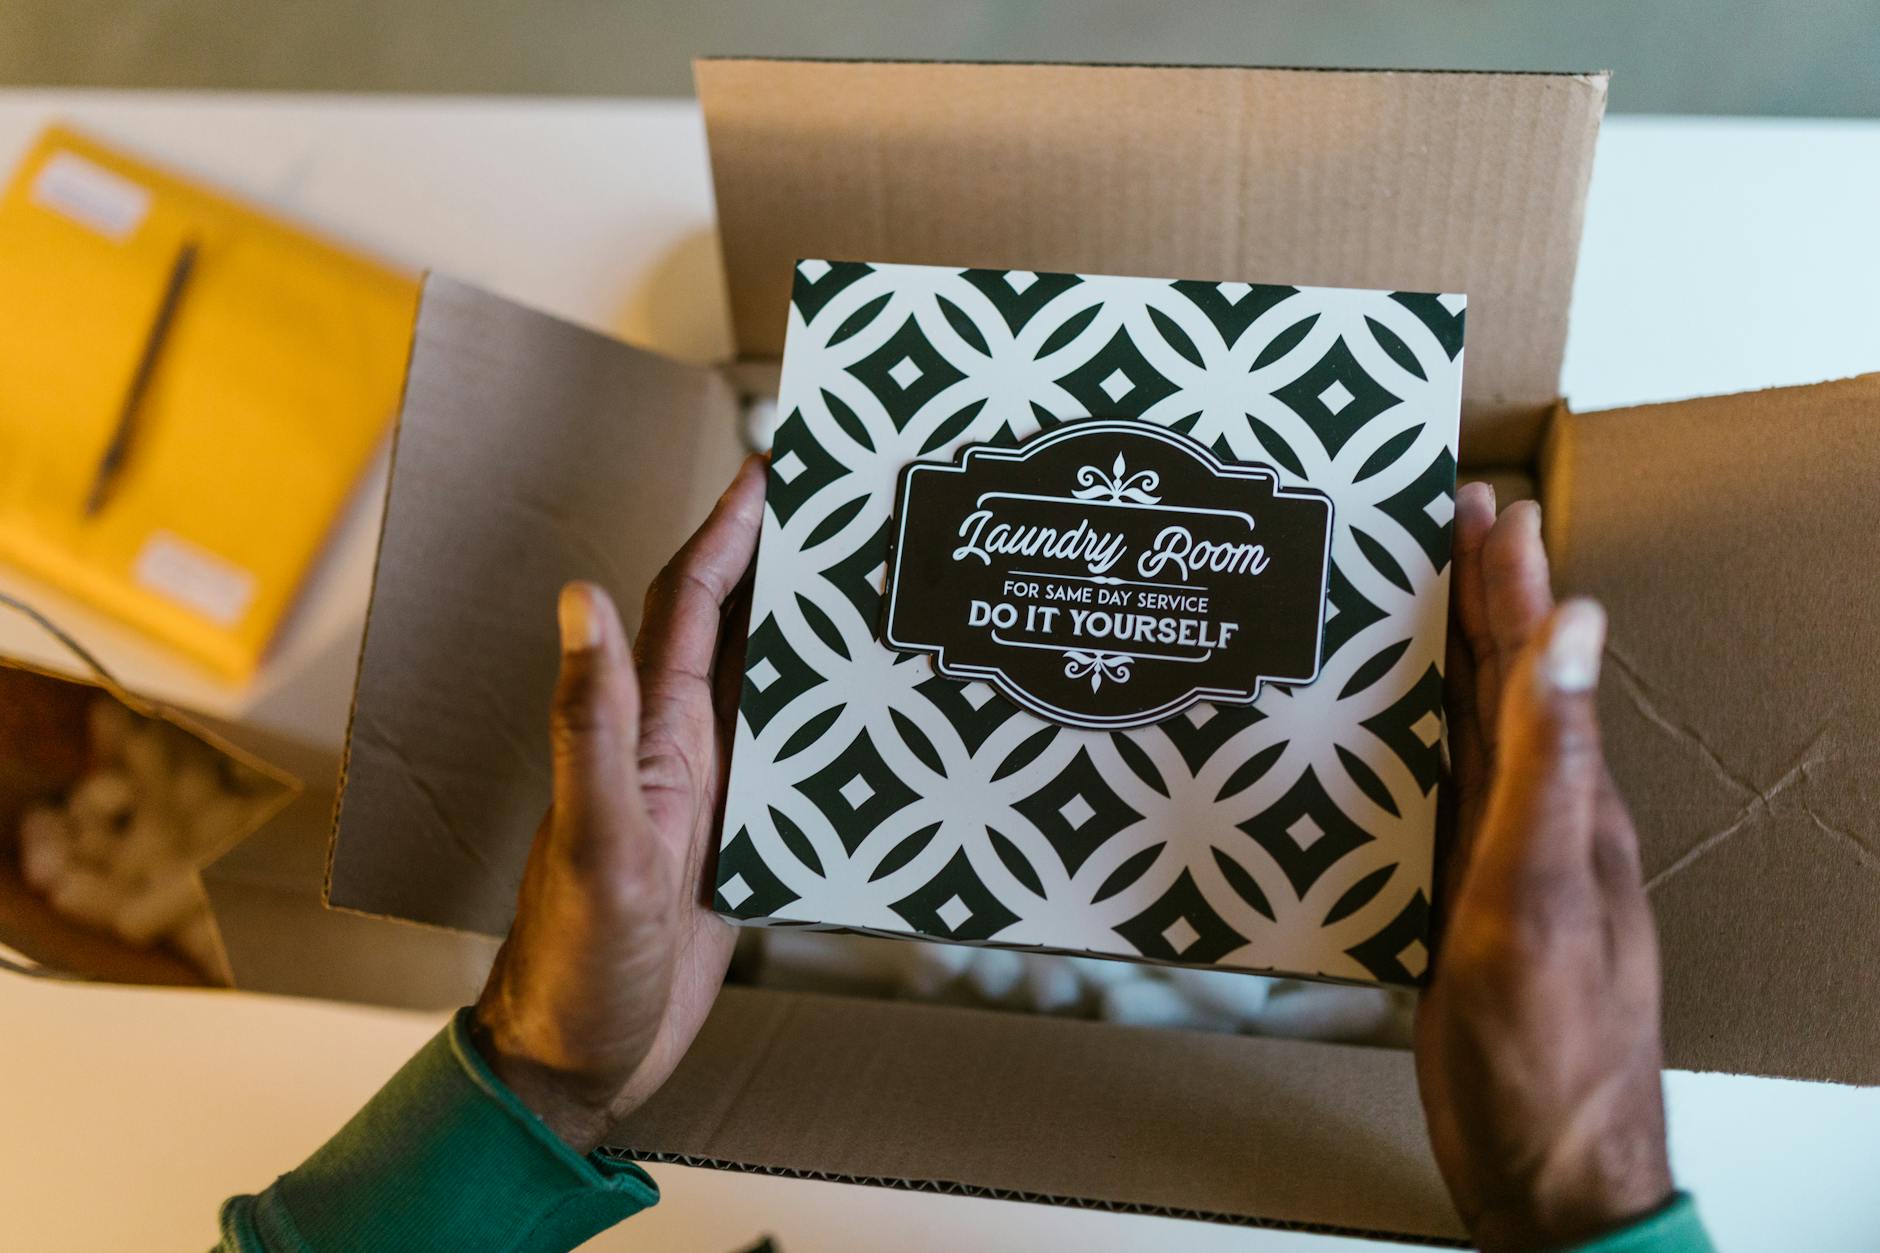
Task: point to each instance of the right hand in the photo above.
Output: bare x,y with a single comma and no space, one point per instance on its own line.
614,960
1537,1039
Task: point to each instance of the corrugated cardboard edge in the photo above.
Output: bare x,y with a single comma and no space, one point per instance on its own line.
365,633
1261,1132
1152,65
1553,479
952,1187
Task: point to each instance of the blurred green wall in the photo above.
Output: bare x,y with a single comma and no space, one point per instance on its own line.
1808,57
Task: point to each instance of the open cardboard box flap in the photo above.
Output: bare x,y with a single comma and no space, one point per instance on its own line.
531,452
1731,538
1391,180
1316,1136
528,453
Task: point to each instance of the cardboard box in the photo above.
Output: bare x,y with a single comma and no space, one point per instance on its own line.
531,452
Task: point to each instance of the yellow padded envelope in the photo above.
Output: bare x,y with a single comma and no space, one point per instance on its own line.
275,363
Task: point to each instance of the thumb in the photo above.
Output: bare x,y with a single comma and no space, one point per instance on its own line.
594,723
1538,831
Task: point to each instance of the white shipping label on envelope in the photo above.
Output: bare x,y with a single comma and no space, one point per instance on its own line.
86,192
195,578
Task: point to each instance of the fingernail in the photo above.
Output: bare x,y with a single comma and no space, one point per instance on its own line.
1530,515
580,619
1571,662
755,465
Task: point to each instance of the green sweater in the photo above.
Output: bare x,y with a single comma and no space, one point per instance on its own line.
446,1158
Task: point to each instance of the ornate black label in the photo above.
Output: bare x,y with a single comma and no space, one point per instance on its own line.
1109,574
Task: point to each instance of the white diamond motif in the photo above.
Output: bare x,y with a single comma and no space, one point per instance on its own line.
976,695
813,270
1019,280
1117,386
1427,728
1180,935
904,373
1233,293
1076,811
1440,509
788,466
735,891
1199,715
1336,397
1452,301
954,912
1415,958
1305,832
856,792
763,674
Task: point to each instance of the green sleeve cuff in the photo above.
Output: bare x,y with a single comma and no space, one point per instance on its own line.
1673,1229
444,1158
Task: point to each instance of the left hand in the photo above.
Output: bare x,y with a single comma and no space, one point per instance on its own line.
614,960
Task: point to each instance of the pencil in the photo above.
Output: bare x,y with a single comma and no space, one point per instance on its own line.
118,449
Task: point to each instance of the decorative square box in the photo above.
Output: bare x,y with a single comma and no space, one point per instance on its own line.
946,791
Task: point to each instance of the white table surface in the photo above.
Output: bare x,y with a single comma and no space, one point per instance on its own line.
1719,255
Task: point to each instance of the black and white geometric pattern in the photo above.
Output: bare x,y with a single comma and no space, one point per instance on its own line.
1293,835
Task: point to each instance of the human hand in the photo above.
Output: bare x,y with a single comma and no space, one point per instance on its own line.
1537,1039
614,960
